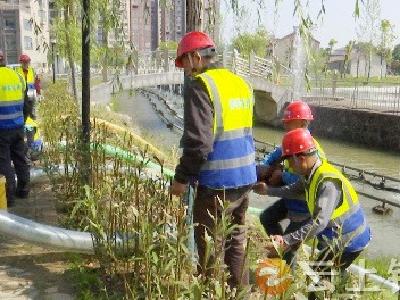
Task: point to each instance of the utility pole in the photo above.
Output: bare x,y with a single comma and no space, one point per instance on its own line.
85,168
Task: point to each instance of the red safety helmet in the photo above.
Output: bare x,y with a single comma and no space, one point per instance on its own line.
192,41
23,58
297,110
297,141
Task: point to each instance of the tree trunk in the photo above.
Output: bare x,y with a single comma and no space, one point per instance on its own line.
369,66
68,12
342,68
358,64
104,41
194,15
381,65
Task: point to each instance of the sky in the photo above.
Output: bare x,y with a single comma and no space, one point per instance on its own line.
338,21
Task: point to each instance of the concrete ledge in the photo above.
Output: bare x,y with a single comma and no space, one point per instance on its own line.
370,128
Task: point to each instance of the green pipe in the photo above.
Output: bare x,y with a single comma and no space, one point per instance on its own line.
129,156
126,155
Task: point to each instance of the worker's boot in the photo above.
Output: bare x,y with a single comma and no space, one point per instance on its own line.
22,194
22,191
10,202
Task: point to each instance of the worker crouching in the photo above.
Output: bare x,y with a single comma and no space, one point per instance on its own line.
338,220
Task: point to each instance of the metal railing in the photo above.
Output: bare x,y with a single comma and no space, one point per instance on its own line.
164,61
377,96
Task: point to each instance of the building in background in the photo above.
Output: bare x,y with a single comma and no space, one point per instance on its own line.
282,48
177,20
168,20
212,20
357,63
141,22
155,21
19,20
155,24
122,34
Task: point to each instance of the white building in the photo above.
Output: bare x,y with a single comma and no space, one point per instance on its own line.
357,64
24,28
282,48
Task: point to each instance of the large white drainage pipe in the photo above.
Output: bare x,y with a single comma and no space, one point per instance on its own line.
46,235
75,241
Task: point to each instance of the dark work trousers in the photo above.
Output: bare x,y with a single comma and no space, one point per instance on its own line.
206,206
271,217
12,148
340,262
29,110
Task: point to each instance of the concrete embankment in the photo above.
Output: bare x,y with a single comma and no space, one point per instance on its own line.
371,128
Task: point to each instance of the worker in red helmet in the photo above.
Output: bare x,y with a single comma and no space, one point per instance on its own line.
12,145
28,73
296,115
337,218
218,150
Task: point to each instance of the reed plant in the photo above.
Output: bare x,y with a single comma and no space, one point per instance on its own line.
140,232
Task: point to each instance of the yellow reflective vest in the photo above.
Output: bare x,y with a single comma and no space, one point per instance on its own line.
231,164
348,223
30,77
12,87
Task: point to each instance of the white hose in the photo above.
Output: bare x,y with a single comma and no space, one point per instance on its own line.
46,235
387,284
75,241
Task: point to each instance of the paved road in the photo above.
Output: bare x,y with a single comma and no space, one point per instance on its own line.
29,271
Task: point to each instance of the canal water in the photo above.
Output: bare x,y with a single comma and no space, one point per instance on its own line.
385,229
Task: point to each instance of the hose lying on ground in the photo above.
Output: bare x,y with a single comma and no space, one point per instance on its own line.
27,230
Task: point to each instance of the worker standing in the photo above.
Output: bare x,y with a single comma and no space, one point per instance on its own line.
12,145
218,149
32,85
296,115
338,220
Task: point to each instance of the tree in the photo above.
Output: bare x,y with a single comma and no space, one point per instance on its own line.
332,44
368,28
329,51
318,61
168,45
395,66
203,15
68,33
110,14
347,56
385,45
396,52
247,42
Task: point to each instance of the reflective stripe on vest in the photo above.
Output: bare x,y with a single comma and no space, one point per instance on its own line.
30,77
348,221
231,164
11,99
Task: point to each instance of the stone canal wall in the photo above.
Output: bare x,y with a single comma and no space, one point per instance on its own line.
370,128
